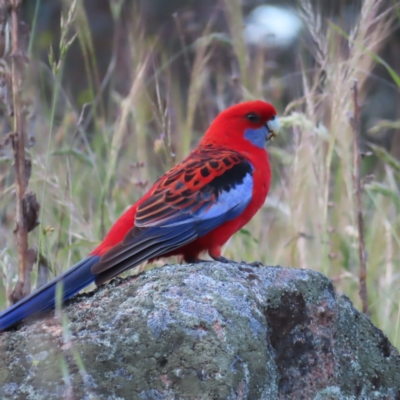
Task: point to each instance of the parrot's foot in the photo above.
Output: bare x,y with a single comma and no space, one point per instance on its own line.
228,261
197,261
223,259
220,259
257,264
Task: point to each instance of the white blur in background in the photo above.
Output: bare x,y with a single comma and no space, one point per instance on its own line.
272,26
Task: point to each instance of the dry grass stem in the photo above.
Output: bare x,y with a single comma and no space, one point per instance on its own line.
355,123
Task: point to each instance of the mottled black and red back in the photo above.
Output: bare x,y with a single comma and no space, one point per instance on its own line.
193,185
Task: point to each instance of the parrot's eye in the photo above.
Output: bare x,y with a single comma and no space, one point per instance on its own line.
252,117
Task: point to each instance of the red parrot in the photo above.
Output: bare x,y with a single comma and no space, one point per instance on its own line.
195,207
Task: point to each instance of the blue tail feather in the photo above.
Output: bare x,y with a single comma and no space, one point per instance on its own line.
73,280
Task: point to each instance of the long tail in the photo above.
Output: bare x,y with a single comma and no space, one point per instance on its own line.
73,280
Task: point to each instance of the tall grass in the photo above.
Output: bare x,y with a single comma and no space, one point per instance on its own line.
92,161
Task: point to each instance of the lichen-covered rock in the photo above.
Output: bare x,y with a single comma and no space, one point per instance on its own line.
204,331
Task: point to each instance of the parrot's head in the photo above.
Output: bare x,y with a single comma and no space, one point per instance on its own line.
252,122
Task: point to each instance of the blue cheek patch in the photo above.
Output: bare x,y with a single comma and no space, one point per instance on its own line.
258,137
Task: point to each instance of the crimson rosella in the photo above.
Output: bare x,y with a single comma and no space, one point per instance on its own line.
195,207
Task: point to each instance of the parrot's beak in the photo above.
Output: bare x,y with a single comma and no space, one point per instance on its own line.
273,128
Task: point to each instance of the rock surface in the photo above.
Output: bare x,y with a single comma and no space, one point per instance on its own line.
204,331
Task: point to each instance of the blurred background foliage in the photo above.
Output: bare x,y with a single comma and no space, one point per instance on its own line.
112,108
